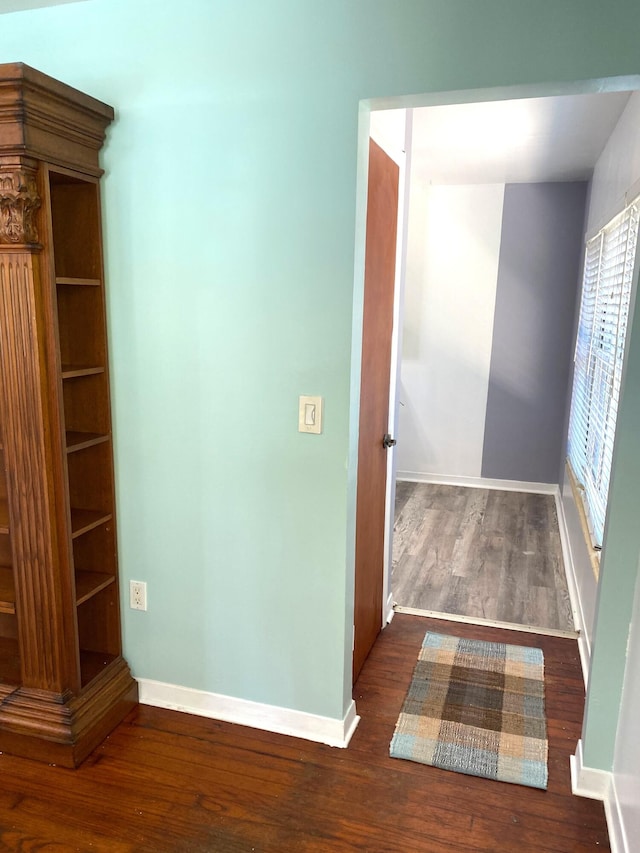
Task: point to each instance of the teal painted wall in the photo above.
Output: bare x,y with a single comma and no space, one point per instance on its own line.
230,216
618,572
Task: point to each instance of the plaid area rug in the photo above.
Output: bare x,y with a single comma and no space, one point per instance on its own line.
477,708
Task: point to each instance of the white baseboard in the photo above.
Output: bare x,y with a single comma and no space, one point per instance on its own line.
586,781
618,840
478,482
600,785
487,623
271,718
390,611
584,647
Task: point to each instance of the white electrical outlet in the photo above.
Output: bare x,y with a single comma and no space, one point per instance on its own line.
137,595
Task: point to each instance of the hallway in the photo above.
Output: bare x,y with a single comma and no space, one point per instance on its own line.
480,553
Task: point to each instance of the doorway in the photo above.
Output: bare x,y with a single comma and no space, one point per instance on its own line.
478,419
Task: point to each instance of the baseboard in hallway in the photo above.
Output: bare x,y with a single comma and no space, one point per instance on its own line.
487,623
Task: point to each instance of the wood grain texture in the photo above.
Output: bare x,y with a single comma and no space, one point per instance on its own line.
46,663
480,553
165,781
50,119
64,729
19,201
380,263
63,683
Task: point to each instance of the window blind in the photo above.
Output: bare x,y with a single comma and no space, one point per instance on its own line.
599,355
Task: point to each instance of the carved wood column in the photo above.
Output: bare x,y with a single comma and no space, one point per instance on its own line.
19,201
30,426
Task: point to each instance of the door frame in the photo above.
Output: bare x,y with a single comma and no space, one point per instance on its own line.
404,163
395,151
463,96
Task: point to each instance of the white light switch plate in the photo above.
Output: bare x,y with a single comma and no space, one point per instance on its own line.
310,414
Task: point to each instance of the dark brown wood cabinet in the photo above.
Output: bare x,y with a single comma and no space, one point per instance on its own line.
63,682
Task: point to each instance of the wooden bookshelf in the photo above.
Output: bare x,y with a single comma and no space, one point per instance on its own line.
60,647
7,591
71,371
10,660
9,663
80,440
89,584
84,520
78,282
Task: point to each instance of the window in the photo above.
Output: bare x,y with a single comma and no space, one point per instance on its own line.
604,310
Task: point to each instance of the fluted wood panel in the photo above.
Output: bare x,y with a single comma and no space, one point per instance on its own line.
42,623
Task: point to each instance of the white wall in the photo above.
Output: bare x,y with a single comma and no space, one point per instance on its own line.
452,267
627,754
617,171
388,129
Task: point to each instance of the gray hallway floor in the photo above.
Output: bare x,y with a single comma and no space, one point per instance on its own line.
480,553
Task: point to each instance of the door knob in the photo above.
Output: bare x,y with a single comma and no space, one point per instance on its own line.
388,442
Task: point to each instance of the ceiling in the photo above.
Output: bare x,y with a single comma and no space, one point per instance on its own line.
21,5
518,141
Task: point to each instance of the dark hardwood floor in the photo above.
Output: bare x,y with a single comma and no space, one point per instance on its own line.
165,781
480,553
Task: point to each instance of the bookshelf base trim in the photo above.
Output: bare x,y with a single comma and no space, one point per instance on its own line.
64,728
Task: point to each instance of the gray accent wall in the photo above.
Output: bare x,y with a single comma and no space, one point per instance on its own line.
538,278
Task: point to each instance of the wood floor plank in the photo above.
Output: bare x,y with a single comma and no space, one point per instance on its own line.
480,553
403,493
165,782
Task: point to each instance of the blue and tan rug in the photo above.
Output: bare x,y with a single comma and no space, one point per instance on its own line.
477,708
